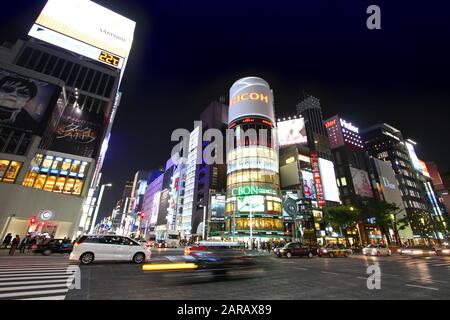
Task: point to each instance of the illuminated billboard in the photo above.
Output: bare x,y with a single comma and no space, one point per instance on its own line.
330,189
292,132
309,189
26,103
424,169
218,207
412,154
250,96
251,204
361,183
86,28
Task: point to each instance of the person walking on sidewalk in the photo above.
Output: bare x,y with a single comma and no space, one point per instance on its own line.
7,240
14,245
24,243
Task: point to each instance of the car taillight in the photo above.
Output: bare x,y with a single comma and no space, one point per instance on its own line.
34,246
76,244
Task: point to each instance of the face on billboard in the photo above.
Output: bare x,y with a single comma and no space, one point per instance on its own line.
309,188
250,96
330,189
24,102
217,207
86,28
292,132
361,183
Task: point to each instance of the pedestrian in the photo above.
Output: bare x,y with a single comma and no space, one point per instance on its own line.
23,244
7,240
269,245
31,243
14,245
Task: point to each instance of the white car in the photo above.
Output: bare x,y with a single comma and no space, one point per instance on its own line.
108,248
376,250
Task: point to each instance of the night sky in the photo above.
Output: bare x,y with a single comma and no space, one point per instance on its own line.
188,53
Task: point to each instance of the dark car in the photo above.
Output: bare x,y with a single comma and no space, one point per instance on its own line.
53,246
296,249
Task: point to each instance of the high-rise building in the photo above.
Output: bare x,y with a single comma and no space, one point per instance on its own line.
55,138
387,143
253,203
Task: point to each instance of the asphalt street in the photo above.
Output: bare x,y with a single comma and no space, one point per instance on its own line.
38,277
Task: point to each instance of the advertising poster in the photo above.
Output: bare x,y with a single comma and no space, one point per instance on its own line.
26,103
309,189
317,179
79,132
251,204
330,189
218,207
361,183
292,132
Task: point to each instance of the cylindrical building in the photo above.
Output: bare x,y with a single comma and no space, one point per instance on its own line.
253,207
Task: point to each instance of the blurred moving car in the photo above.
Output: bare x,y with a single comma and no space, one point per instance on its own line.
108,248
296,249
53,246
335,250
376,250
205,246
443,251
419,250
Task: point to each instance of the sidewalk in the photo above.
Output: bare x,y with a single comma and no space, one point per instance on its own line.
5,253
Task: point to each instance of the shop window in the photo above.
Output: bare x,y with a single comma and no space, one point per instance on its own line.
3,167
68,188
13,170
78,187
66,165
343,181
59,185
75,166
50,183
30,178
40,181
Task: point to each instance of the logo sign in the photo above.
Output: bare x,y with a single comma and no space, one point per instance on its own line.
46,215
250,97
349,126
317,179
251,190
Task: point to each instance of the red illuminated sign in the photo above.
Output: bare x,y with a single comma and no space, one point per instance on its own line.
317,179
330,123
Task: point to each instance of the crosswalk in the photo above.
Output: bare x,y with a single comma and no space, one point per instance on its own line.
430,261
35,277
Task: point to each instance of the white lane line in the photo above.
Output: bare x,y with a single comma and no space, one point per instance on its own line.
327,272
46,298
440,264
31,271
31,274
422,287
362,278
429,280
299,268
34,266
31,293
31,278
34,287
14,283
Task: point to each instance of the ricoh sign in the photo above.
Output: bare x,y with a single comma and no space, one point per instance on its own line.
251,96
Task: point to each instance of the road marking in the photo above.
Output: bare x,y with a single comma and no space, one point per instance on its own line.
18,271
47,298
34,287
327,272
31,293
31,274
422,287
30,278
362,278
299,268
32,282
441,264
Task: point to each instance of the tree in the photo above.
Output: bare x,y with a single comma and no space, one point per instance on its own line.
384,214
342,217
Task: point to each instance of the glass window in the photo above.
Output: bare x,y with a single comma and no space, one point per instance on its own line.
75,166
12,172
3,166
68,188
66,164
78,186
47,162
83,167
343,181
50,183
59,185
30,178
40,181
57,163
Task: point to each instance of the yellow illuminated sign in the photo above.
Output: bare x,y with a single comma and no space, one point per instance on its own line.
250,96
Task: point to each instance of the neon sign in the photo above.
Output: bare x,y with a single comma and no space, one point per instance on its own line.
251,190
250,96
349,126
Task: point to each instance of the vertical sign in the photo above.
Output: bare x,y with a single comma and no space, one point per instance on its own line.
317,179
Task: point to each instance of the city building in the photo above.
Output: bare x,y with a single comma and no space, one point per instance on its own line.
253,209
352,173
441,185
387,143
152,198
53,140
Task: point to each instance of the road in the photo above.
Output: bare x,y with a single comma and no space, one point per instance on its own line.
32,277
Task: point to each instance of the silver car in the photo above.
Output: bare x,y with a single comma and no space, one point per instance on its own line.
377,250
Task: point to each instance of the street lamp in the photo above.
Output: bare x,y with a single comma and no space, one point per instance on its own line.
99,200
204,218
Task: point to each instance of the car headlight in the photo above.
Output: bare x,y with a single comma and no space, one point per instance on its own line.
446,251
324,250
282,250
418,252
